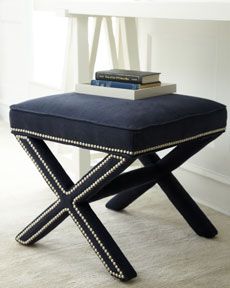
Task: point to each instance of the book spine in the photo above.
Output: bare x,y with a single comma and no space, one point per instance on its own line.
118,77
115,84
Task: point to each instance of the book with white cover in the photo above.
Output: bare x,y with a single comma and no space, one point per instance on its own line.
163,89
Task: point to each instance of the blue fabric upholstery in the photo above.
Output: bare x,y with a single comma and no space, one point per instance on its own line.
118,123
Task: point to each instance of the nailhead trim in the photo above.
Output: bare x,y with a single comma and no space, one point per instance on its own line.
122,160
19,137
98,147
172,143
28,241
80,182
88,175
69,141
119,274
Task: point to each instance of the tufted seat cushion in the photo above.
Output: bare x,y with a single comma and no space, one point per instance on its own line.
118,125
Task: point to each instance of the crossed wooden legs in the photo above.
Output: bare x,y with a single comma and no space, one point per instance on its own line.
104,180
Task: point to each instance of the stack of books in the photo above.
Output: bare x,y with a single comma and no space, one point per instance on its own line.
126,84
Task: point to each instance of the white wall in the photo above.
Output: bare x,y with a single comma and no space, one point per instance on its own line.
195,55
14,52
22,38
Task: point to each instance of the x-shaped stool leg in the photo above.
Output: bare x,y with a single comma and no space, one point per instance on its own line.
72,200
160,171
104,180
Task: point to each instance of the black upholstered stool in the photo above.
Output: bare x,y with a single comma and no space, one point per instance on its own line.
125,130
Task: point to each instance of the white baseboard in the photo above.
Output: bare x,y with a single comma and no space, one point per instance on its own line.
207,188
206,173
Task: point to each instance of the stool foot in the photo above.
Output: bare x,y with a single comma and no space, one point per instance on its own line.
102,243
187,207
182,201
43,224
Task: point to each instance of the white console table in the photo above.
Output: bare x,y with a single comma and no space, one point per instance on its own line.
196,10
80,61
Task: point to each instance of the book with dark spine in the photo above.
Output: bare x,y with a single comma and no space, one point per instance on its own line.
131,76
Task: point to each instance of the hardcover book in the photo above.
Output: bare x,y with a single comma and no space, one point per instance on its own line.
133,76
129,94
123,85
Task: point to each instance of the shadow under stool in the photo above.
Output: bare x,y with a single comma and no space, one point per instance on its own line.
125,130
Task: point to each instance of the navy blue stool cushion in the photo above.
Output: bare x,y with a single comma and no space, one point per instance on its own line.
118,125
